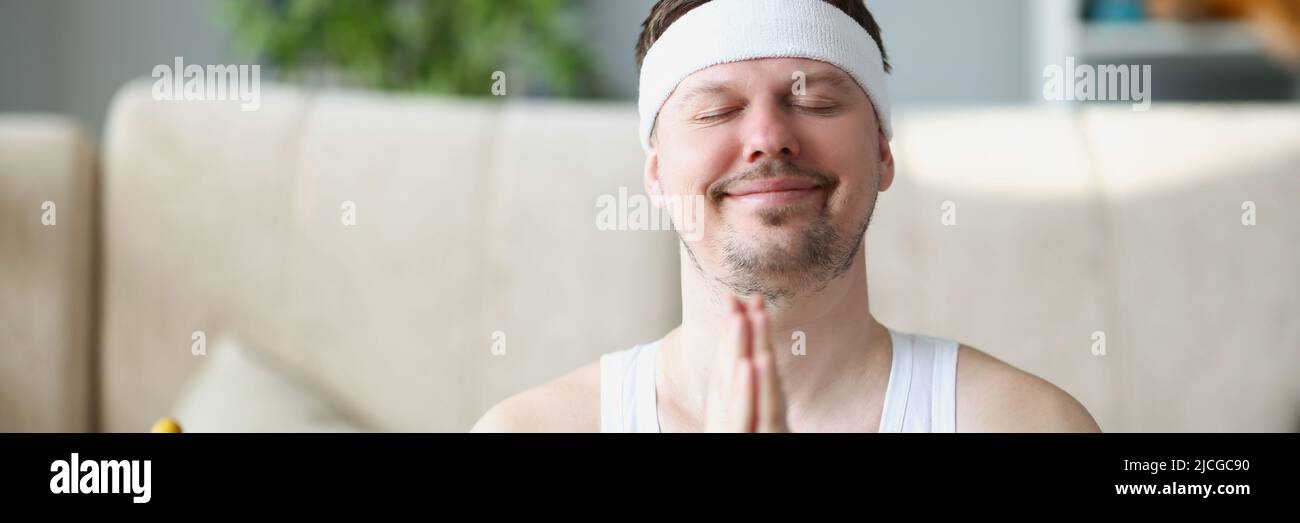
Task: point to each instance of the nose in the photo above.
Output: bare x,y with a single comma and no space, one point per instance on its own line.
768,135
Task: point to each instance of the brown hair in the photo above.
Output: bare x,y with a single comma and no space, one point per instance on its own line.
665,12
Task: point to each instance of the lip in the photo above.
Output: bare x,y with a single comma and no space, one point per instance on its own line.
772,185
774,191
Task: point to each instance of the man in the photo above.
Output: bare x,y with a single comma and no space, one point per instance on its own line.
775,114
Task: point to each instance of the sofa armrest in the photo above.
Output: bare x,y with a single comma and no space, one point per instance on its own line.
47,209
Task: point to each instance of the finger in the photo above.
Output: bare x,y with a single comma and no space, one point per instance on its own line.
742,347
771,399
761,348
721,374
759,327
735,334
740,414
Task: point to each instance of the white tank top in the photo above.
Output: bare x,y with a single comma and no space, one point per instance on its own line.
921,395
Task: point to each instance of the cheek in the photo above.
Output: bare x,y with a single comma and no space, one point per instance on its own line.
858,186
688,164
842,141
853,162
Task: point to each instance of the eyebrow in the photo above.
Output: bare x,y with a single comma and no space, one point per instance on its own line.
836,79
702,90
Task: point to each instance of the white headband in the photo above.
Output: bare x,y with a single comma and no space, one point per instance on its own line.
724,31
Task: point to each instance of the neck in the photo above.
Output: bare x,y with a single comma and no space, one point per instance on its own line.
846,351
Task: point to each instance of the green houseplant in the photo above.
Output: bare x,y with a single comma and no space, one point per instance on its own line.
435,46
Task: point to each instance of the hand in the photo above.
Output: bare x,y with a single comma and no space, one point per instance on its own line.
744,393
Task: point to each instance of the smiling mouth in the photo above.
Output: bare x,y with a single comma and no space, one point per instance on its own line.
774,197
772,191
772,183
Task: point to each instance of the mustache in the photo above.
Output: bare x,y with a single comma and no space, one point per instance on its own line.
770,169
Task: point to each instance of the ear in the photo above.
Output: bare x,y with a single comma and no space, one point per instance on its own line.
886,163
651,176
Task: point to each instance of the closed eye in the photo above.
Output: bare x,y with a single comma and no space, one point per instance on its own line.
713,116
817,108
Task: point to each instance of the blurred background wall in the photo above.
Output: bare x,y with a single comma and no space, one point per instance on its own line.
69,56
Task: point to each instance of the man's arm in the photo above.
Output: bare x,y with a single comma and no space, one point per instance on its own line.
993,396
570,403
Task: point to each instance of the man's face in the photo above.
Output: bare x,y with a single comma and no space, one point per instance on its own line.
789,156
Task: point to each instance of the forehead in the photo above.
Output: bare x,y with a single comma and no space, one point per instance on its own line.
763,73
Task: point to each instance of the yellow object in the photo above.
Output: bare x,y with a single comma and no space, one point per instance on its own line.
166,425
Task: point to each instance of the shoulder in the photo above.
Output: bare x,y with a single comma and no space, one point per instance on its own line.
570,403
993,396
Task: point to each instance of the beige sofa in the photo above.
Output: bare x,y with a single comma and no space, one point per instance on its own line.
475,225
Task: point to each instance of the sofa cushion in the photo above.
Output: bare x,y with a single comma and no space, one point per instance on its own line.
239,390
